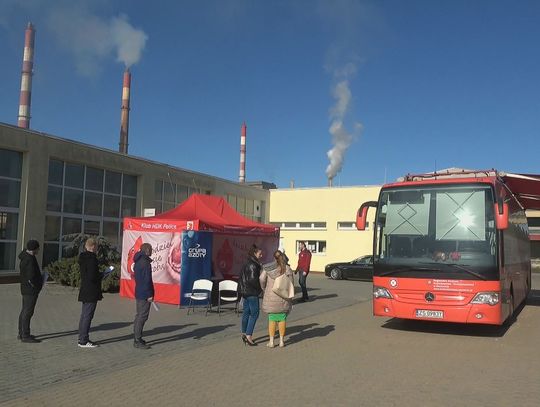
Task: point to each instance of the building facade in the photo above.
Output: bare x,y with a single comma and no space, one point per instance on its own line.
324,218
52,189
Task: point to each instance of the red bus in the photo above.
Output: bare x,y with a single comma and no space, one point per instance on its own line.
451,247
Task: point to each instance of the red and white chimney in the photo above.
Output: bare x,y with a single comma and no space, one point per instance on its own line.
26,77
124,117
242,175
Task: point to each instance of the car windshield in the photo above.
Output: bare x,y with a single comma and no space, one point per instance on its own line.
439,229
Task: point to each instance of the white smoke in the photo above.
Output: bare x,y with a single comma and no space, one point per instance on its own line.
129,41
341,137
91,39
77,26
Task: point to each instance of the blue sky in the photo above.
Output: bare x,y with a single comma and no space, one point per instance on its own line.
424,84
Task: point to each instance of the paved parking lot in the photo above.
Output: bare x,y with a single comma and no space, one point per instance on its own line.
337,354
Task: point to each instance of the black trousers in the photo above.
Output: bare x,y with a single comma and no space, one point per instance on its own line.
87,313
143,309
28,306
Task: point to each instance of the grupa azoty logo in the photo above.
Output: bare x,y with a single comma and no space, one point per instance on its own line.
197,251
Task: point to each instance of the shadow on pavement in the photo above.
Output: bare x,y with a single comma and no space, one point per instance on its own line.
298,333
154,331
534,298
195,334
322,297
101,327
311,333
446,328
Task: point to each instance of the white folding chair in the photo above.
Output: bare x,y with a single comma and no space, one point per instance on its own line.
228,292
201,291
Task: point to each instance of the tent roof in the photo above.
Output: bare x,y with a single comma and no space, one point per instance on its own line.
214,213
525,187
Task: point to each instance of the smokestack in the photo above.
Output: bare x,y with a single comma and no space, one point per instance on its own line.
291,185
330,182
242,175
124,117
26,77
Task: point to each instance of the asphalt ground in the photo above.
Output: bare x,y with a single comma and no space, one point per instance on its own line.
337,353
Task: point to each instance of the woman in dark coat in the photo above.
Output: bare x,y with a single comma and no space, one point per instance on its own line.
249,288
89,291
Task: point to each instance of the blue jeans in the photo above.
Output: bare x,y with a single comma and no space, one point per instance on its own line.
302,281
250,314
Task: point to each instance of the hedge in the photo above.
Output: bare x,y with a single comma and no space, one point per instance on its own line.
66,271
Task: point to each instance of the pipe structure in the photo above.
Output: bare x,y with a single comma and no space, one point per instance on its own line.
330,182
124,117
26,77
242,175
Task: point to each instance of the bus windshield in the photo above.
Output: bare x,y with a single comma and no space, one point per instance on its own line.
445,231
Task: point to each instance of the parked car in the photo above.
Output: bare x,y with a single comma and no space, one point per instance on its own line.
360,268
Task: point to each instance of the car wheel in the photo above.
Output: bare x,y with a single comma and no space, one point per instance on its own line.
335,274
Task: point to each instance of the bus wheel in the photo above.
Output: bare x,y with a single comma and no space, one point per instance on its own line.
335,274
510,318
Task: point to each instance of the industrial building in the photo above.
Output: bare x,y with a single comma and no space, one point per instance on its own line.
51,188
324,218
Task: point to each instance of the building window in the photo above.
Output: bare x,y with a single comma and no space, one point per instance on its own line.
83,199
248,208
168,195
314,246
10,192
349,226
301,225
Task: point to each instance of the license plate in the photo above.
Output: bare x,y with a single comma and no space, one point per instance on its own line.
426,313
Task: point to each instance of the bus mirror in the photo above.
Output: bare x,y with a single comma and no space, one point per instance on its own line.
361,215
501,215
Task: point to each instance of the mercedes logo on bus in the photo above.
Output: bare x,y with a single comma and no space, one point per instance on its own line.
429,297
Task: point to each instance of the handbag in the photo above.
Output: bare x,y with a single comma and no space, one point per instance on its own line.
283,287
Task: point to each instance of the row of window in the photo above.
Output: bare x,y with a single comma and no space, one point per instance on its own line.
168,195
248,208
84,199
316,225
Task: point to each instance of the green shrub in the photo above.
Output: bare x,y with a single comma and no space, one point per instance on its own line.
66,271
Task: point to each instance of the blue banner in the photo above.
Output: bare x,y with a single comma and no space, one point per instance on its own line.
196,262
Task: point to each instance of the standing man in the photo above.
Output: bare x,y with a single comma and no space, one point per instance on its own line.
89,292
144,292
304,262
31,284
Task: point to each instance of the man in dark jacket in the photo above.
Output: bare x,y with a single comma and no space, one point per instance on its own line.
89,291
31,284
144,292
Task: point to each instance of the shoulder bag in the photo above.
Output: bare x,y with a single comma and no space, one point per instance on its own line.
283,287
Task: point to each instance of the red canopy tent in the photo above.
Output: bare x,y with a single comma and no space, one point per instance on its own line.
227,238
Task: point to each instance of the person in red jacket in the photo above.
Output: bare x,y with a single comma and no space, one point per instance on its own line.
304,261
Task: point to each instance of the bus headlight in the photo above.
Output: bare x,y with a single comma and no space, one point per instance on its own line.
491,298
381,292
